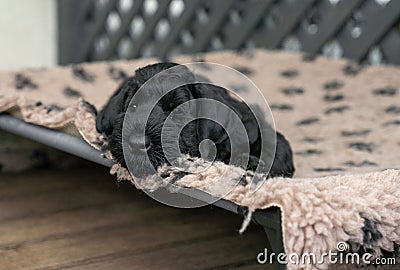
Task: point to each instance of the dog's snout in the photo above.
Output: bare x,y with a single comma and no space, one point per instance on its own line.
138,143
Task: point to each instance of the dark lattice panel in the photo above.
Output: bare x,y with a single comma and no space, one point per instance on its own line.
363,30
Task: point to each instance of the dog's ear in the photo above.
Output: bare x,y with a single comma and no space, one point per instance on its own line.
226,115
210,129
249,120
283,162
117,104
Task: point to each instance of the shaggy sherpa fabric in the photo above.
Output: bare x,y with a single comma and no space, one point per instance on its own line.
342,120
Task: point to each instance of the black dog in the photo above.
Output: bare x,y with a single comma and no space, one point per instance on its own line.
110,120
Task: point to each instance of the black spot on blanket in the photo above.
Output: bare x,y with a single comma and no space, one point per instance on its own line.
333,85
291,73
333,98
370,231
177,176
362,146
82,74
198,58
364,163
309,152
308,121
202,64
386,91
242,181
69,92
352,69
312,140
38,104
239,88
21,81
165,174
244,70
339,109
391,123
393,110
53,107
117,74
90,108
247,52
291,91
1,167
328,169
281,107
307,57
363,132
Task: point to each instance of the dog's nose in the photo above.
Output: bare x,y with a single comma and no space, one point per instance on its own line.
136,143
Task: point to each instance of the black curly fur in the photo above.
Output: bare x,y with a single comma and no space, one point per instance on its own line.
110,120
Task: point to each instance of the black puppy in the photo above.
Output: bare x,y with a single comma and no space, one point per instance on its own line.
110,120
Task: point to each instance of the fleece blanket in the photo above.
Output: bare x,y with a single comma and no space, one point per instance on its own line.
342,120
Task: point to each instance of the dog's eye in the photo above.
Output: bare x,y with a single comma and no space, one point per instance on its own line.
176,113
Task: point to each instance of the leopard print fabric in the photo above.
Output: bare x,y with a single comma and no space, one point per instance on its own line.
338,116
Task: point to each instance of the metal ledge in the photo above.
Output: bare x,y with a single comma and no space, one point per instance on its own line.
80,148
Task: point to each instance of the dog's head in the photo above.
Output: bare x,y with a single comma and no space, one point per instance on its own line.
143,114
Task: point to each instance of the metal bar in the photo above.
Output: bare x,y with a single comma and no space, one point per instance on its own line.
332,19
78,147
94,28
269,218
53,138
176,27
219,11
71,17
274,237
254,11
391,46
150,23
378,20
126,20
291,12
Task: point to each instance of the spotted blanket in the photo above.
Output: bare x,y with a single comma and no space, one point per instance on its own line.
342,120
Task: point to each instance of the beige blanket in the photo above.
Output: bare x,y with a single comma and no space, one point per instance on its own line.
342,120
